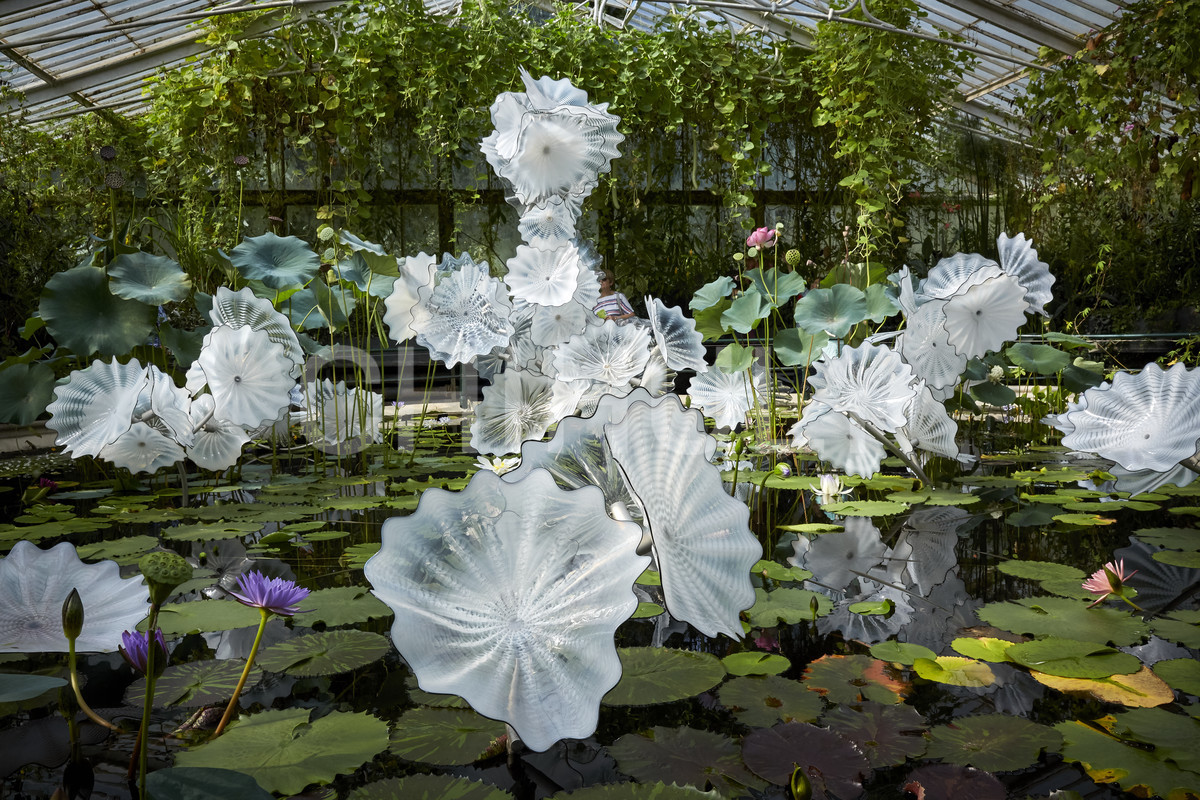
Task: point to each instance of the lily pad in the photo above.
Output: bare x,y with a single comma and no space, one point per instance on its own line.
1040,570
428,787
684,756
1180,673
901,652
752,663
992,742
1070,658
208,532
852,679
834,766
1109,760
125,550
1172,538
787,605
660,675
634,791
1033,515
1142,689
1176,558
982,649
444,735
763,701
1060,616
778,572
342,605
16,687
328,653
194,684
205,616
202,783
1182,627
955,671
886,734
952,782
866,508
1174,737
284,750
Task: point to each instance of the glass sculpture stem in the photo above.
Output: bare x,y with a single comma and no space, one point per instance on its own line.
891,448
233,701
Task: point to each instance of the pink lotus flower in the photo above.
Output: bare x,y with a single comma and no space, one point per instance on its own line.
1109,580
762,238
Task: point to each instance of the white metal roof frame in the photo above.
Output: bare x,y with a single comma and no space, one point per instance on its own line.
77,56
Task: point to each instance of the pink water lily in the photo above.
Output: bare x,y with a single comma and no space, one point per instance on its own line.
1109,580
762,238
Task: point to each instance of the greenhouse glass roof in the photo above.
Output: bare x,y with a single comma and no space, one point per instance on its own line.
75,56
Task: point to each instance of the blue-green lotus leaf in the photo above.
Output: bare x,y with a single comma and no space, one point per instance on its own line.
184,345
149,279
747,311
833,311
778,286
880,303
280,262
25,391
734,358
359,270
85,317
1040,359
797,348
712,293
319,307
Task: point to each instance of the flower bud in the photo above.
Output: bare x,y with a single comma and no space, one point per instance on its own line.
72,615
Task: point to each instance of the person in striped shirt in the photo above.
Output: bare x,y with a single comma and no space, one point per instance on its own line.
614,304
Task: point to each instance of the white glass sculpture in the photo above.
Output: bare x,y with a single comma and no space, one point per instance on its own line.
954,275
701,535
925,345
509,594
34,583
838,440
243,308
929,427
985,316
870,381
464,315
613,354
544,277
729,398
517,406
142,449
165,406
836,559
416,273
95,406
1019,259
550,225
681,345
1147,421
554,325
216,443
248,375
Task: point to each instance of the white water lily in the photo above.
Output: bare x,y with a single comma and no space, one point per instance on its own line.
830,488
500,464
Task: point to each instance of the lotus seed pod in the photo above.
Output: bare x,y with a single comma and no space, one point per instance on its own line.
163,572
72,615
792,257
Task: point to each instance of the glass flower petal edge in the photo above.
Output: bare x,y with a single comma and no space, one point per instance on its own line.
95,406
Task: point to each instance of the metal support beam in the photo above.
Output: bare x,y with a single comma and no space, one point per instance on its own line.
1015,22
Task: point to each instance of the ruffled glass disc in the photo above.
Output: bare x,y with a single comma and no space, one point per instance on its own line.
169,406
554,325
95,406
416,273
248,375
243,308
509,595
550,225
516,407
955,274
1019,259
728,398
838,439
464,316
870,381
142,449
1150,420
612,354
925,345
216,443
544,277
33,585
680,344
985,316
930,427
701,535
560,152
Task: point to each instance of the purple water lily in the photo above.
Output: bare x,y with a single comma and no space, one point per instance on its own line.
273,595
135,647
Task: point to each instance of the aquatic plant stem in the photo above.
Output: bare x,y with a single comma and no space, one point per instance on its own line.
233,701
142,749
92,715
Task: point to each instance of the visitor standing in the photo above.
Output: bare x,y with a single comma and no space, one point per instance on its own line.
614,304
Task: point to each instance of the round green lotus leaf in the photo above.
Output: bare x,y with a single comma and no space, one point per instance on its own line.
202,783
853,679
194,684
994,394
734,358
982,649
684,756
17,687
762,701
992,742
711,293
886,734
25,391
359,270
343,605
661,675
1060,616
747,310
318,307
445,736
754,663
1071,658
149,279
901,652
1040,359
85,317
797,348
955,671
787,605
280,262
284,751
329,653
428,787
833,311
1180,673
778,285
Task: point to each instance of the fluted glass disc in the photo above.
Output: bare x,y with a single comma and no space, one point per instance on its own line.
243,308
216,444
613,354
33,585
680,344
985,316
838,440
1150,420
1019,259
930,427
729,398
925,345
870,381
554,325
142,449
416,272
508,595
544,277
701,535
464,316
955,274
248,375
516,407
95,406
550,225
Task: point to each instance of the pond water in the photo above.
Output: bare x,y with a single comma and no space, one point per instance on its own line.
878,656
